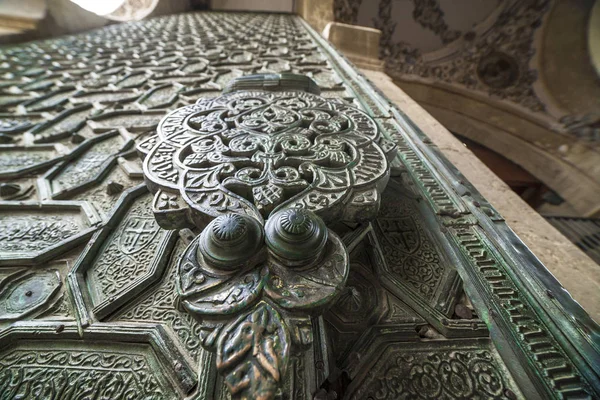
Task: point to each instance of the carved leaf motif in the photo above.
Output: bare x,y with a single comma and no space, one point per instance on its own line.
253,353
312,289
271,119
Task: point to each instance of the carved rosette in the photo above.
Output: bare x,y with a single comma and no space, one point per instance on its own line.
254,152
284,155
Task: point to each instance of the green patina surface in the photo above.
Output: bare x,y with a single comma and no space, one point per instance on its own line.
420,290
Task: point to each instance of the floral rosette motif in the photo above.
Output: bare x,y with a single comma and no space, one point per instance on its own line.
256,152
255,291
226,165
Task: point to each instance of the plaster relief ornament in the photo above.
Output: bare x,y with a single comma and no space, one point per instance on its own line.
269,149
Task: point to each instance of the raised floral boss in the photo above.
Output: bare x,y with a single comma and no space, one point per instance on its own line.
269,149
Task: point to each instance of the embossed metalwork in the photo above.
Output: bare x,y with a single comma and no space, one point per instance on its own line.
441,298
132,257
283,154
28,293
32,232
256,152
255,298
456,370
74,366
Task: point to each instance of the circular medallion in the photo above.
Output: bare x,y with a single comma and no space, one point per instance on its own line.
255,152
498,70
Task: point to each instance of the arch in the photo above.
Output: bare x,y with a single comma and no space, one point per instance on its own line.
568,166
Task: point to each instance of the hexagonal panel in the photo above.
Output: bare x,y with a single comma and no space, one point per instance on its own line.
456,369
410,255
363,305
75,370
25,294
17,161
85,166
12,124
132,120
413,266
160,305
101,196
125,363
129,254
161,96
51,99
35,232
62,125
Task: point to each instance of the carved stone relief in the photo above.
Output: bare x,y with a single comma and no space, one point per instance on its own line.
346,11
494,60
429,15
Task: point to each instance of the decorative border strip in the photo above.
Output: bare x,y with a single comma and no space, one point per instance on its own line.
517,316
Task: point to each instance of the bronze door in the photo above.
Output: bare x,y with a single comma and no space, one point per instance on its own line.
218,205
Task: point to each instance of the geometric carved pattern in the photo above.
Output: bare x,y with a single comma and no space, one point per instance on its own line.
20,160
98,153
391,303
257,152
160,305
121,263
70,109
457,370
26,294
414,266
34,232
127,253
408,253
72,371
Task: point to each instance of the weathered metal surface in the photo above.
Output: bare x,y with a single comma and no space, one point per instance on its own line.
435,297
256,152
256,302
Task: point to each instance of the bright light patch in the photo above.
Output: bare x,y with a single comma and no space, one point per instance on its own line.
99,7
